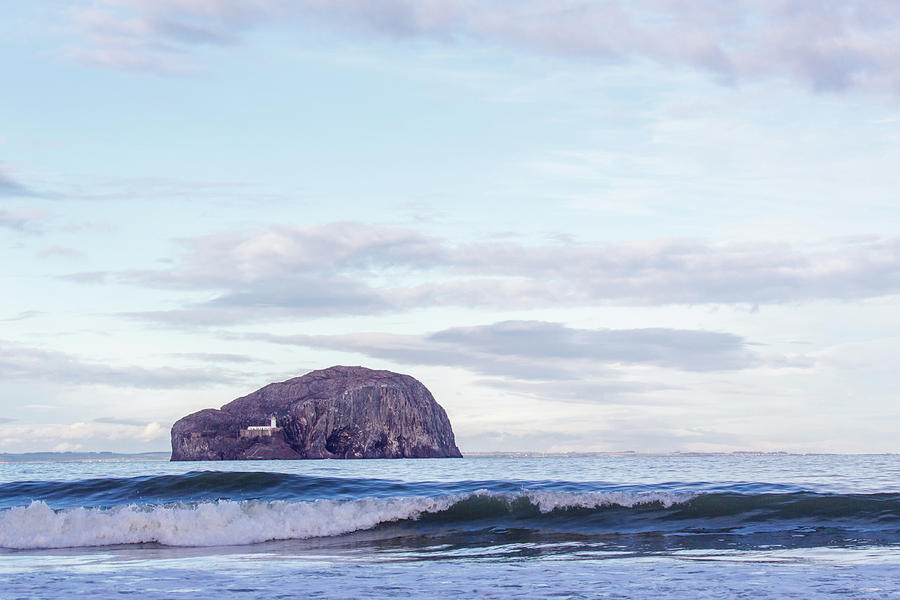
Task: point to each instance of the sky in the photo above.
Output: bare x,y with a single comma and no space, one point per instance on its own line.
653,226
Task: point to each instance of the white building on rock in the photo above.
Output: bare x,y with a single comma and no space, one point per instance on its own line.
261,429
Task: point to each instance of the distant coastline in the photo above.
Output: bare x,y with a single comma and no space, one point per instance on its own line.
26,457
530,454
527,454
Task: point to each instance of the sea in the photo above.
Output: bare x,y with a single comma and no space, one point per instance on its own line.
635,526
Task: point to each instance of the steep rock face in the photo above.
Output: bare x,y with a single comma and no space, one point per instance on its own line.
340,412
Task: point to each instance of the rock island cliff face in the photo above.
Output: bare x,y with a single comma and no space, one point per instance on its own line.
340,412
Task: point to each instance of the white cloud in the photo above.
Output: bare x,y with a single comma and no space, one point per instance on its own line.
152,431
77,436
355,269
825,46
66,447
22,362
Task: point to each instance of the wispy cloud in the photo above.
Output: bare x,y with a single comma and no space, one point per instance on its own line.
354,268
18,219
27,314
113,189
826,46
91,226
10,188
550,360
22,362
22,220
638,434
58,252
217,357
121,421
284,271
543,350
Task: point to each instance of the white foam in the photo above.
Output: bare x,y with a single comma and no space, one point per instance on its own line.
549,501
219,523
227,522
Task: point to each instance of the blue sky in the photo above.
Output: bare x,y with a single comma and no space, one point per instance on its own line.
652,226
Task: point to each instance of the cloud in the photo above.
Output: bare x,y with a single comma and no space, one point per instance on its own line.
283,271
419,350
28,314
640,435
826,46
92,277
552,361
671,348
19,220
117,189
217,357
58,251
20,362
267,301
66,447
359,269
273,254
26,220
12,189
595,388
121,421
544,350
146,432
94,435
91,226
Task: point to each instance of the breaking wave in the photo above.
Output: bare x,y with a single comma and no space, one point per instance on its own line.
228,522
238,522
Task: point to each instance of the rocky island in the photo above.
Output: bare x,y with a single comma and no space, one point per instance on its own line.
339,412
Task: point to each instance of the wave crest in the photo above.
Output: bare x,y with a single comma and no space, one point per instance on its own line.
228,522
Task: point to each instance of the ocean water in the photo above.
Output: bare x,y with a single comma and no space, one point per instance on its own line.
812,526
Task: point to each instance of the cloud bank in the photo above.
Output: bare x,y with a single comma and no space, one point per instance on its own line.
552,361
100,433
20,362
822,45
360,269
544,350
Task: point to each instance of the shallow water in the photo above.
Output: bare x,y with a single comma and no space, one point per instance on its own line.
597,527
